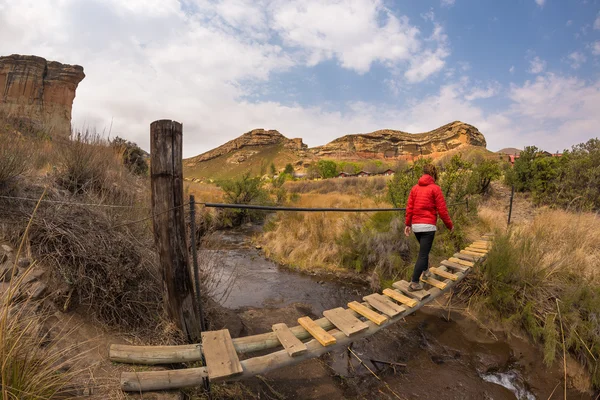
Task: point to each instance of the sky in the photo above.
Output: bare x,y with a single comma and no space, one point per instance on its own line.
524,72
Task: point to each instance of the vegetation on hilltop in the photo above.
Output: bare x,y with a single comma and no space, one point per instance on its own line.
571,180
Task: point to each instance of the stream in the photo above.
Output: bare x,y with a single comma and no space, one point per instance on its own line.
426,357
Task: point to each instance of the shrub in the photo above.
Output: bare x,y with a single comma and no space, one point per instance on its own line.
15,156
133,155
87,163
327,168
243,190
403,181
289,169
531,267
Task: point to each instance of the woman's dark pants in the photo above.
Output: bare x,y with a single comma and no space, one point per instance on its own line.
425,240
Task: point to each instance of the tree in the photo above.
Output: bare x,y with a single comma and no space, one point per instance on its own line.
327,168
133,156
400,185
289,169
243,190
484,174
273,169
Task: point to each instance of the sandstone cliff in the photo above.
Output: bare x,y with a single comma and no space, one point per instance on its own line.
39,92
254,138
392,144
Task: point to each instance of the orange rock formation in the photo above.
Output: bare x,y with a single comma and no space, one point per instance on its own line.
38,91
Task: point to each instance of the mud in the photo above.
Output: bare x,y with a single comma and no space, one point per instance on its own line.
440,359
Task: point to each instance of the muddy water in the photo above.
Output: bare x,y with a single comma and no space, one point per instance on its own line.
427,357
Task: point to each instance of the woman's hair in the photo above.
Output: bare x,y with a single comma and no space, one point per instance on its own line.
431,170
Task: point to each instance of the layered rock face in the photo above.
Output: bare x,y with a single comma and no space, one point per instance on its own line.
392,144
39,92
254,138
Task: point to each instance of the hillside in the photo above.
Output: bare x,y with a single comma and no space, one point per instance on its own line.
256,150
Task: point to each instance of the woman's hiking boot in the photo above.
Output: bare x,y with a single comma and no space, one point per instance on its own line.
426,274
413,287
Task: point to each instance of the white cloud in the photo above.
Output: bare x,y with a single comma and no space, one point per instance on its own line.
203,63
597,22
540,2
429,62
511,69
569,22
490,90
558,111
355,32
537,65
596,48
448,3
576,59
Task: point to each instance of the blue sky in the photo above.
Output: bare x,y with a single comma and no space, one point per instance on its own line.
522,71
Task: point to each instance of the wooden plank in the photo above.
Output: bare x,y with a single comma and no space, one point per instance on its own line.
454,266
479,246
345,321
383,304
482,244
221,359
400,298
368,313
465,257
477,250
470,253
434,282
316,331
417,294
288,340
443,274
461,261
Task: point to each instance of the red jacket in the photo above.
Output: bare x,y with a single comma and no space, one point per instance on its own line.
425,202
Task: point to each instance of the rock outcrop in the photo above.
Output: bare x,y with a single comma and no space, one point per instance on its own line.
39,92
390,144
254,138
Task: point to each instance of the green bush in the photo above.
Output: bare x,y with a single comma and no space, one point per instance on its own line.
133,155
327,168
572,180
243,190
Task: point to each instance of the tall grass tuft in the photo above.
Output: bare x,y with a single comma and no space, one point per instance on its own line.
556,256
35,363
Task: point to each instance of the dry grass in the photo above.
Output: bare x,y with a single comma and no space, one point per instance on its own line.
309,240
553,256
35,363
203,192
365,186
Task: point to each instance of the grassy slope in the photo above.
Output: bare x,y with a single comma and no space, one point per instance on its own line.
218,168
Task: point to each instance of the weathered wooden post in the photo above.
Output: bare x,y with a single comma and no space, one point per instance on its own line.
169,225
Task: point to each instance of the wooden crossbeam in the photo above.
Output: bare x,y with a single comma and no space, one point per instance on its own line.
461,261
434,282
470,253
454,266
345,321
400,298
383,304
316,331
221,358
465,257
481,244
443,274
417,294
288,340
477,250
368,313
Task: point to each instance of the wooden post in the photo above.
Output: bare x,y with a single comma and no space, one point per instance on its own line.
169,225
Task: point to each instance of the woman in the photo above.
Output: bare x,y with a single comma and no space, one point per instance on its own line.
425,202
